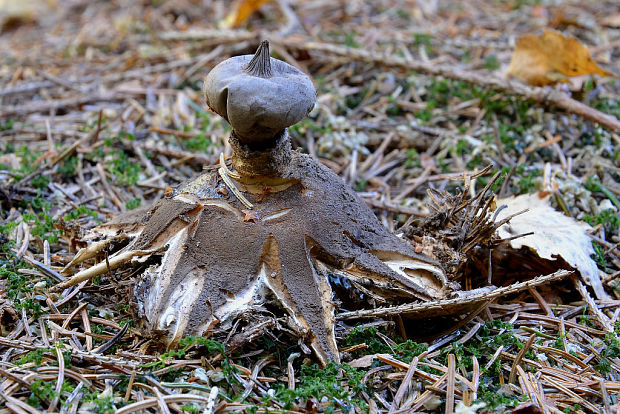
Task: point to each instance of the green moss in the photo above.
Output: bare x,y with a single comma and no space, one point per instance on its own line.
349,40
413,159
103,405
423,39
425,115
20,287
611,350
125,170
68,166
491,62
573,408
523,180
35,357
526,181
7,125
495,399
134,203
593,184
608,218
403,350
41,392
27,163
198,143
79,212
444,92
191,408
42,223
609,106
184,345
340,384
599,255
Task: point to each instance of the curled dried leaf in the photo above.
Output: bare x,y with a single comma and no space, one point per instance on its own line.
551,58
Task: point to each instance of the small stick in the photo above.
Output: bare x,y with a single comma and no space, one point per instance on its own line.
101,359
524,382
204,59
104,347
605,395
61,378
450,384
457,376
394,207
444,304
46,253
161,403
50,139
71,295
224,173
563,354
26,324
72,315
520,355
572,394
174,132
17,405
46,106
562,334
594,310
404,385
291,371
541,301
48,271
59,81
25,241
87,331
212,398
494,357
101,268
475,378
470,334
109,189
427,394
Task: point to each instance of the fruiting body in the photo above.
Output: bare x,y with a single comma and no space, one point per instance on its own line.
299,249
279,232
258,95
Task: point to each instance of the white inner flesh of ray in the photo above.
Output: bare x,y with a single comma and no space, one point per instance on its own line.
161,280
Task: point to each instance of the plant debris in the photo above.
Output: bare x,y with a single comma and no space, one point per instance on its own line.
102,113
551,58
217,263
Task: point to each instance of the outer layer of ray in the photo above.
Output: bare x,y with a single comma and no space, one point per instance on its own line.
221,259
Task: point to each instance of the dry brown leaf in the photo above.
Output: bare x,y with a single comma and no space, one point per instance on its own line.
242,10
16,13
550,58
554,235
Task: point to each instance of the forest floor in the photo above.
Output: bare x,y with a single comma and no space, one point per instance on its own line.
101,111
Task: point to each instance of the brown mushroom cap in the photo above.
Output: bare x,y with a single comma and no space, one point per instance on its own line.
258,95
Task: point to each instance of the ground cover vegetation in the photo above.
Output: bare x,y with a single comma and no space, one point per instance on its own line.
101,112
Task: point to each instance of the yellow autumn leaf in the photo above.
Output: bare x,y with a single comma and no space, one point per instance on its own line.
550,58
241,11
15,13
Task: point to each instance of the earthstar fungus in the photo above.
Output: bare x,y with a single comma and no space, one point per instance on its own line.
259,96
274,227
